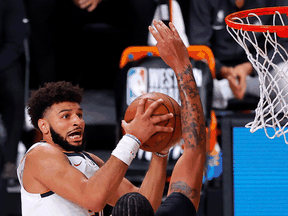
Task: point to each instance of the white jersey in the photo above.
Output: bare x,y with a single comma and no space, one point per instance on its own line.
49,203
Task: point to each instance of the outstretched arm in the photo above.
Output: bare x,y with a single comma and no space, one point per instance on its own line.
188,171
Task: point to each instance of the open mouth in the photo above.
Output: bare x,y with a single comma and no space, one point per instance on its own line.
75,135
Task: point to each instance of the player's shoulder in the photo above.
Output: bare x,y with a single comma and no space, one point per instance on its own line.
44,147
44,150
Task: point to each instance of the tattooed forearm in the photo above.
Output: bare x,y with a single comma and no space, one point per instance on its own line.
188,70
187,82
192,116
193,92
202,133
183,188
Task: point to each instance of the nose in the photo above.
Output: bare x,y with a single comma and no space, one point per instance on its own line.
77,121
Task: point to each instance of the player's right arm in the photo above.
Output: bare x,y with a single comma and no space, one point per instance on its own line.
47,168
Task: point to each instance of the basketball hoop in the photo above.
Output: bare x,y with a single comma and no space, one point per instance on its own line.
270,59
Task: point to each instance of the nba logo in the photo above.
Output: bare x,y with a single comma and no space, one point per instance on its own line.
137,83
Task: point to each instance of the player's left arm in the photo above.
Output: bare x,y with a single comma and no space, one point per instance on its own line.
152,186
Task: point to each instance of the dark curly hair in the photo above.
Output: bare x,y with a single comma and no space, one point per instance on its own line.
52,93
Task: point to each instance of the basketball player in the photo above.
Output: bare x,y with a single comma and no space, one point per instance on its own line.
186,180
58,178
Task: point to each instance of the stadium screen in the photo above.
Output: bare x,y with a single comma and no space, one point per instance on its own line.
257,175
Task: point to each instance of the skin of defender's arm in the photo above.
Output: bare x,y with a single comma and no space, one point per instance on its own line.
175,54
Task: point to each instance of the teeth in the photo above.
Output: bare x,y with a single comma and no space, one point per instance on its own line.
75,136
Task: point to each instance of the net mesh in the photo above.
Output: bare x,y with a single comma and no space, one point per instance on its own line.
270,59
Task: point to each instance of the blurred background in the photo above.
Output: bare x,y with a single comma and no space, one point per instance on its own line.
50,40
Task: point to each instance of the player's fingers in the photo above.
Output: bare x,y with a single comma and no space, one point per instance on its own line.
155,34
174,30
166,32
141,106
157,31
152,107
157,119
124,125
163,128
163,30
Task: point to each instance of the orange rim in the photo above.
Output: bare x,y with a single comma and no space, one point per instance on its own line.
282,31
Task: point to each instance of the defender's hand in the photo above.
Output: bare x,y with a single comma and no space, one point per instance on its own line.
171,48
143,126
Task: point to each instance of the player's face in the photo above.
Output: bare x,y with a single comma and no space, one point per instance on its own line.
65,120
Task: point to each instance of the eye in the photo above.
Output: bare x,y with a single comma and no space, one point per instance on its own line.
80,115
65,116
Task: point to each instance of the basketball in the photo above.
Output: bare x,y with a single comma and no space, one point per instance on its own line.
161,140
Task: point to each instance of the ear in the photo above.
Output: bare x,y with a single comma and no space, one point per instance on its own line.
43,126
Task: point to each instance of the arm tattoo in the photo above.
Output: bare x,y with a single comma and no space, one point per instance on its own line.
192,116
183,188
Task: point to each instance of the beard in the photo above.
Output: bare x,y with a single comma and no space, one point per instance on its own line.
58,139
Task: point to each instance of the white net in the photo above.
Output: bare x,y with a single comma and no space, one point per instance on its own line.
270,59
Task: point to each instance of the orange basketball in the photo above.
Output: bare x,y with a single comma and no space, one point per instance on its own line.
161,140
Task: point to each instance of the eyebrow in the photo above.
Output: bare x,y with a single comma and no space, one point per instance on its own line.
69,110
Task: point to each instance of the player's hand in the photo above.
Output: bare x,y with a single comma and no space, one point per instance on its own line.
144,124
170,46
89,5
